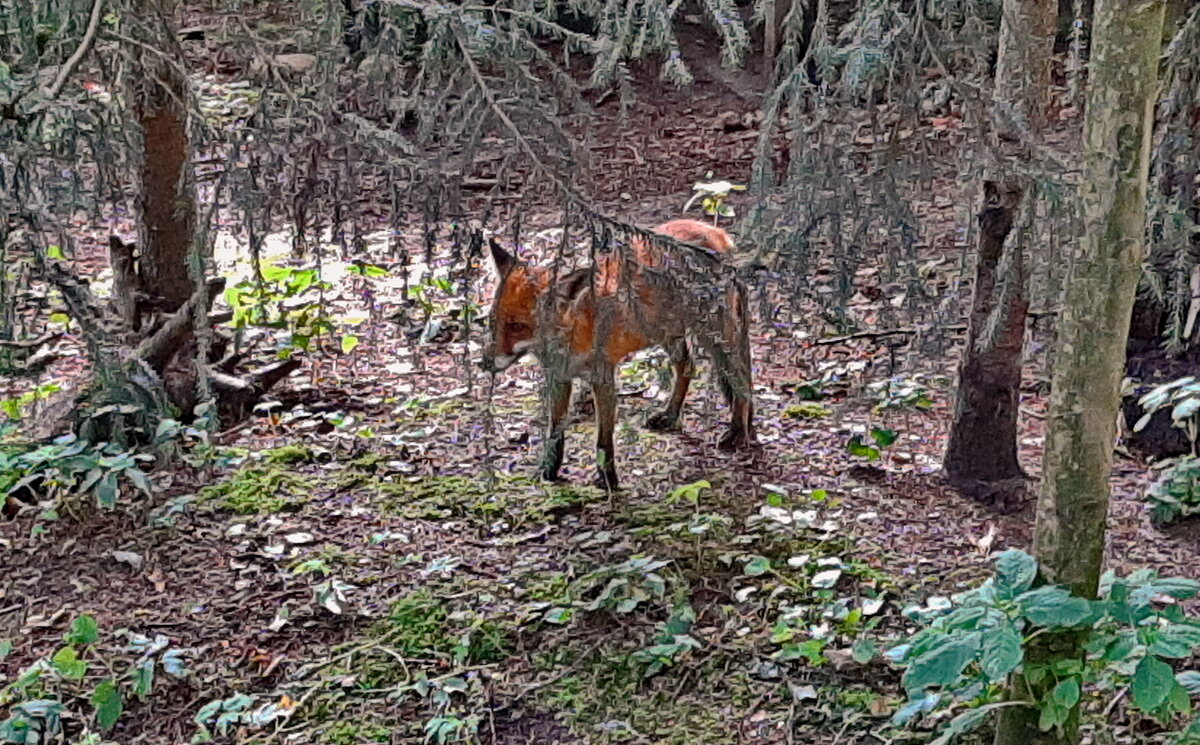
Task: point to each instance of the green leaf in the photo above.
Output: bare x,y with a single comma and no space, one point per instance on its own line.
1178,702
558,615
1053,606
1152,682
107,490
83,630
858,448
61,318
884,437
1190,680
864,649
757,565
143,678
66,661
55,252
1176,641
1015,572
107,700
943,663
6,648
1001,651
349,342
1066,693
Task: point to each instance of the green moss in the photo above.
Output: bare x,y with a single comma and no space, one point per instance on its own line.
353,733
288,455
420,624
807,410
516,500
256,490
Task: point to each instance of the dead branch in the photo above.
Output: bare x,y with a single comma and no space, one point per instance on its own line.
158,349
73,61
41,341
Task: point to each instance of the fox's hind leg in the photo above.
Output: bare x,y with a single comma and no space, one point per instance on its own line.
604,391
733,364
558,398
681,361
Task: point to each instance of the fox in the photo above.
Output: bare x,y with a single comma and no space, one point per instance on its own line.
584,323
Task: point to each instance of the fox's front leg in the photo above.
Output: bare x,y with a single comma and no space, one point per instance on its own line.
605,395
558,397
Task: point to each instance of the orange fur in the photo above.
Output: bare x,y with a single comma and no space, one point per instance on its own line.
652,316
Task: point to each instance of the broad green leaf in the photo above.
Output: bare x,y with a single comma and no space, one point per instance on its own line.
864,649
757,565
1052,715
349,342
1179,702
1152,682
1066,693
66,661
107,700
55,252
884,437
1190,680
1176,641
1015,572
858,448
1001,651
943,663
1054,607
6,648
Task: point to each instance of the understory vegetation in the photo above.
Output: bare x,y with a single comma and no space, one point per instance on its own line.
262,480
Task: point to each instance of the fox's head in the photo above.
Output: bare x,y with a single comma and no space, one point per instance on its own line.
513,321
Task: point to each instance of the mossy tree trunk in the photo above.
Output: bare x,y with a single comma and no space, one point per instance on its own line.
1072,509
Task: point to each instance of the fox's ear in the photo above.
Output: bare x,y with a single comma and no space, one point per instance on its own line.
503,259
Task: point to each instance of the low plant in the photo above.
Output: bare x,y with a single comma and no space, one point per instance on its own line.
1175,494
69,466
62,686
971,643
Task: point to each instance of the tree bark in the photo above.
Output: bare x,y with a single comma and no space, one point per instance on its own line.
1022,82
981,456
1090,360
167,201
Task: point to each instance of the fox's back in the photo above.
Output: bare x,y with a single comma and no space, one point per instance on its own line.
649,311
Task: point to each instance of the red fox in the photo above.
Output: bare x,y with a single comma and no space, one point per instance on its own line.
584,323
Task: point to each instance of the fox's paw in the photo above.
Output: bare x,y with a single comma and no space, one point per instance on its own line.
662,422
551,476
735,439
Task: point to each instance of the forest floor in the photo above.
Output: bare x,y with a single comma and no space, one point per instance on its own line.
372,561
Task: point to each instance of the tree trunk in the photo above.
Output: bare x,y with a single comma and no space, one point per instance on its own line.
1090,360
1022,82
981,457
981,454
168,194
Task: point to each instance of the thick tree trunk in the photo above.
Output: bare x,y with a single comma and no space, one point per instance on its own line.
1073,506
1022,82
981,457
168,194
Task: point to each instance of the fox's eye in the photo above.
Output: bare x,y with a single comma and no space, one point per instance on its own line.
517,327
